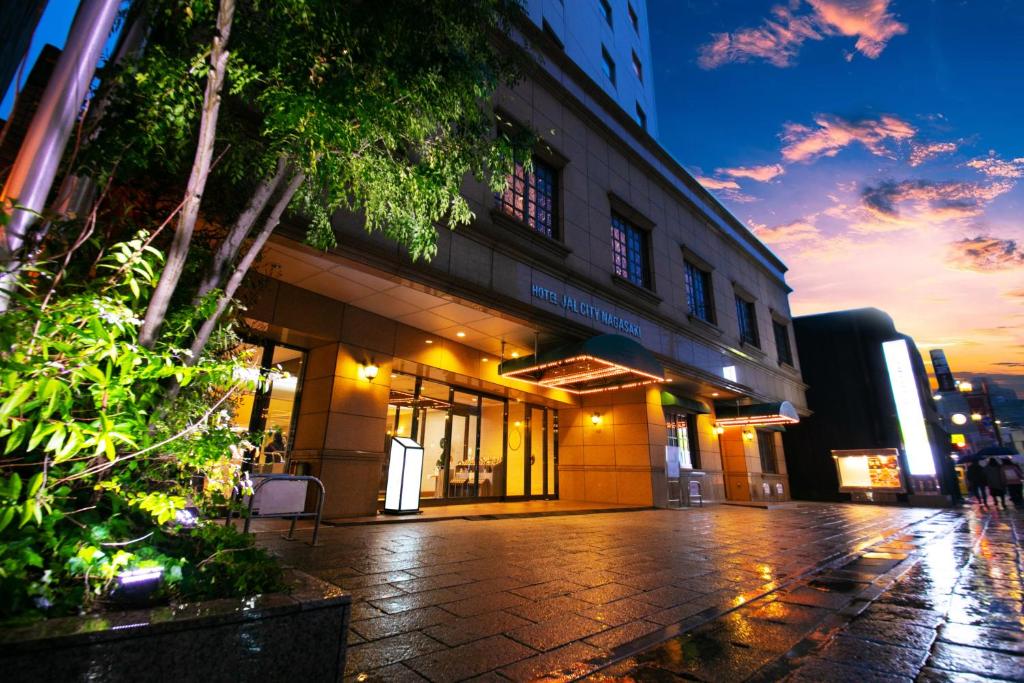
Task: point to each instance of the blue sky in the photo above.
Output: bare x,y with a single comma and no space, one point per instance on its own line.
53,28
877,146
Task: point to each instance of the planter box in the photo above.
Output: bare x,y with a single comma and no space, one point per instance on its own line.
298,636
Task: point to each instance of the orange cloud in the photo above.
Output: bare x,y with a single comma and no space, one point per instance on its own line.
931,201
779,38
834,133
761,174
716,184
777,41
922,152
801,230
994,167
985,254
867,20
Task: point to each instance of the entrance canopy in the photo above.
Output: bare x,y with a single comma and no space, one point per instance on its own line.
603,363
756,414
675,399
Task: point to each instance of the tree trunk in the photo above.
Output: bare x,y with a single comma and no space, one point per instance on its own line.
228,250
235,281
178,253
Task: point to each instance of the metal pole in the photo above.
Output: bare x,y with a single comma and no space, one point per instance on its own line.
35,167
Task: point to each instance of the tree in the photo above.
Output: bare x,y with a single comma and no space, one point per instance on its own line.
369,106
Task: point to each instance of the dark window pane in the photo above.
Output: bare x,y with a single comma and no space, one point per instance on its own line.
629,252
698,293
785,352
747,318
530,197
766,447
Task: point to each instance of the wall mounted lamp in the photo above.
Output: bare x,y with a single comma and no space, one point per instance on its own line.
369,371
748,435
596,419
719,430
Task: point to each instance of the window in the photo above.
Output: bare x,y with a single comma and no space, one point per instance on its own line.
629,251
606,10
607,64
766,447
682,440
698,293
747,317
550,32
641,116
530,197
785,353
638,69
633,18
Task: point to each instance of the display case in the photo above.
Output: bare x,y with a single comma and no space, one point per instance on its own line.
873,475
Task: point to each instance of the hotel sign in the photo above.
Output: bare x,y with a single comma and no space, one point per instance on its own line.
586,310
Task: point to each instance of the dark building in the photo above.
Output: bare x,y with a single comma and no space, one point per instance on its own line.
853,405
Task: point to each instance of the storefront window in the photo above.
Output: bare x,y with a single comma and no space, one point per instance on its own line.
492,467
271,409
515,453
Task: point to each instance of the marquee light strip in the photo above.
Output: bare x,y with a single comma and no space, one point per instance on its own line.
754,421
609,370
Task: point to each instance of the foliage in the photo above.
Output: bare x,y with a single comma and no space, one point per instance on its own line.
383,106
94,476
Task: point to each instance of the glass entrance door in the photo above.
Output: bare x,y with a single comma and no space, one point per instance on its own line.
541,469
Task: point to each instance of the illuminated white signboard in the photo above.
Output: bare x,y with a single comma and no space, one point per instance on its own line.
404,472
908,408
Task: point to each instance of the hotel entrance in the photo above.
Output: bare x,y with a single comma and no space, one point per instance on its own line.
476,446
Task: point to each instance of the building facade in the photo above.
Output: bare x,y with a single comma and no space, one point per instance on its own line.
604,331
610,41
860,404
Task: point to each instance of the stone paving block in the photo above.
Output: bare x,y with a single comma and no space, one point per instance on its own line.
420,584
395,673
348,582
393,624
867,654
548,635
548,589
459,631
963,659
379,653
930,675
362,610
701,656
614,637
468,607
918,617
471,659
669,596
1004,640
812,597
818,670
677,614
550,608
564,663
893,633
606,593
620,612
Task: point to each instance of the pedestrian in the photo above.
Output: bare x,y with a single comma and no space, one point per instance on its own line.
976,482
996,481
1014,481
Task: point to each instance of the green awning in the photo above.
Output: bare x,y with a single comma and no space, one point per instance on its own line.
603,363
674,399
783,412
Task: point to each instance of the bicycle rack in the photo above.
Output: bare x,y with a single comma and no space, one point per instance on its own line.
270,478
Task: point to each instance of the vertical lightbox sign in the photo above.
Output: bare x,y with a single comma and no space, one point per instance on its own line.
908,408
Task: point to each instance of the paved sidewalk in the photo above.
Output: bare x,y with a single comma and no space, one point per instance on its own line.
942,602
561,597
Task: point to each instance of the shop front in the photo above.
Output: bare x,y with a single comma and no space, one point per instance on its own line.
477,446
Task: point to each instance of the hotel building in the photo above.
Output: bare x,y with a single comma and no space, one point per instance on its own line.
603,331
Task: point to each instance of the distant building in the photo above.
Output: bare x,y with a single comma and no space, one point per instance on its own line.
609,40
868,392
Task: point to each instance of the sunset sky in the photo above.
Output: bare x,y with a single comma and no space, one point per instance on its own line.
876,146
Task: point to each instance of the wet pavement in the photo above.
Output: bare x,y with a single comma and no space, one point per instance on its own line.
809,592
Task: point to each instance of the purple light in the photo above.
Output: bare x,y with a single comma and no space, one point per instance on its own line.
133,577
